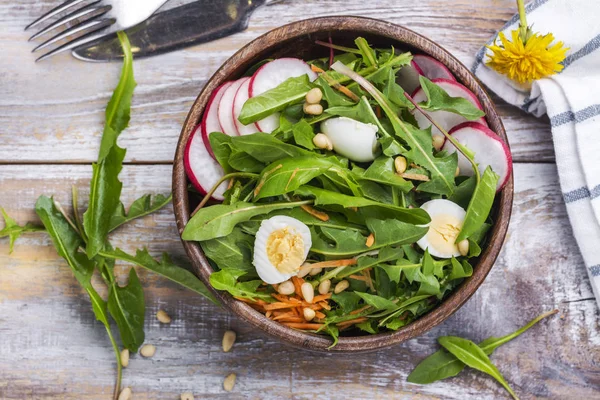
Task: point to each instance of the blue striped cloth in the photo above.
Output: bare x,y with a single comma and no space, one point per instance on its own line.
572,101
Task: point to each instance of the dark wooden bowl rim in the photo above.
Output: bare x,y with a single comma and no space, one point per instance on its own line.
268,44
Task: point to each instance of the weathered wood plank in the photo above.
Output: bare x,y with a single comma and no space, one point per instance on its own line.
52,348
52,111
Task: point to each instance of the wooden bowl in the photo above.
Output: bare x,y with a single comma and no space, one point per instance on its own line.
297,40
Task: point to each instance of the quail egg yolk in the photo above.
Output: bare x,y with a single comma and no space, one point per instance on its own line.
285,249
442,233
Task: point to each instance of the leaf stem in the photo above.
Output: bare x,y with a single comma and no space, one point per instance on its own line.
117,389
219,182
522,20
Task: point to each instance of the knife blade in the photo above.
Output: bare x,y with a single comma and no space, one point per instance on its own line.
193,23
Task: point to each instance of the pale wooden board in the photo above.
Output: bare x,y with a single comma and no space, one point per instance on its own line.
52,348
53,111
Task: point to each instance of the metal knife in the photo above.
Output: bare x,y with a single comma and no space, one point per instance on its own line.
176,28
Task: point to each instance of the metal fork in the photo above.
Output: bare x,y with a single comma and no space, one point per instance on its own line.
88,20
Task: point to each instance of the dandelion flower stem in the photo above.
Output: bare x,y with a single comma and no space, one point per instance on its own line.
522,20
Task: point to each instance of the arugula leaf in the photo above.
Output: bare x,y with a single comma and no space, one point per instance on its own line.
367,53
274,100
464,192
473,356
439,99
303,134
395,93
333,97
145,205
480,204
164,268
378,302
382,171
227,280
242,161
221,146
127,307
348,301
385,254
219,220
14,230
326,197
264,147
233,251
459,270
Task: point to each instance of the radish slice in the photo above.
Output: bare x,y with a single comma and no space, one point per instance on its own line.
489,150
210,119
445,119
202,171
432,68
225,109
271,75
408,77
240,98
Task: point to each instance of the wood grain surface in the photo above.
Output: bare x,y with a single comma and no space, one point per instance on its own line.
51,347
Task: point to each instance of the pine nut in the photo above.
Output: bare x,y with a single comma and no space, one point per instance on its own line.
341,286
304,270
400,165
309,314
148,350
463,247
229,339
286,288
314,96
457,172
322,141
438,142
125,357
126,394
163,317
315,271
370,240
187,396
307,292
229,382
313,109
324,286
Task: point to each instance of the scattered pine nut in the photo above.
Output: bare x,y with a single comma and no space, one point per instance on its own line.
187,396
322,141
313,109
125,358
308,293
314,96
438,142
324,286
286,288
148,350
163,317
463,247
341,286
370,240
229,382
315,271
126,394
457,172
309,314
229,339
400,164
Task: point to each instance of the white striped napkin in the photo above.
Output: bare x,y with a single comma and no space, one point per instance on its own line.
572,101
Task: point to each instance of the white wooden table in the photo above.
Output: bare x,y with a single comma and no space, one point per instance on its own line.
51,347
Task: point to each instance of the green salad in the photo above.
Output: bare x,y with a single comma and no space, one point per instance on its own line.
344,194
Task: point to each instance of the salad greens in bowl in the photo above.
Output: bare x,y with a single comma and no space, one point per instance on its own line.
343,184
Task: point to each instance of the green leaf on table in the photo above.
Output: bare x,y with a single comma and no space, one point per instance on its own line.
164,268
473,356
274,100
12,230
220,219
439,99
127,307
480,204
145,205
303,134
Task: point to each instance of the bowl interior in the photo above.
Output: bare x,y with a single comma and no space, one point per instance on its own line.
298,40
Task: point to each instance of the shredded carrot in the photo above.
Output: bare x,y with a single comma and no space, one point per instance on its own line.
285,315
316,69
367,275
325,305
352,322
297,284
359,310
298,311
322,297
315,213
307,326
358,277
334,263
268,314
278,306
257,302
319,315
292,319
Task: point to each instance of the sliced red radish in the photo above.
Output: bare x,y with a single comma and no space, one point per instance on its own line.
432,68
240,98
210,119
445,119
271,75
202,171
489,150
225,109
408,77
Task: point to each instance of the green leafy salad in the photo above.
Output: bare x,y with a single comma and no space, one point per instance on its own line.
334,200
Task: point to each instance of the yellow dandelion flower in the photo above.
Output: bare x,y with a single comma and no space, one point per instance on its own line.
526,61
